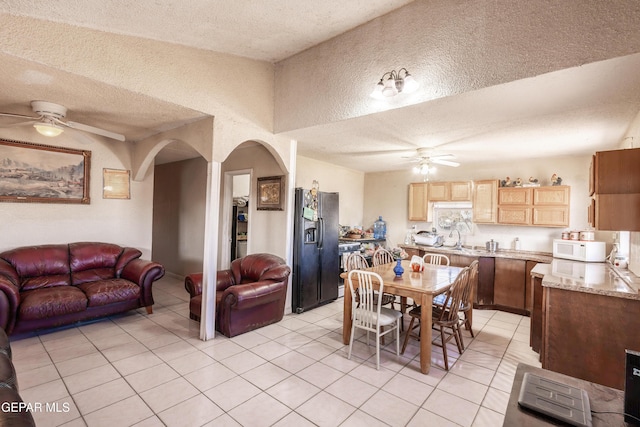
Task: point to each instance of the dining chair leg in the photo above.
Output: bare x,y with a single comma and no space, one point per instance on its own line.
378,349
398,336
353,332
444,349
458,337
406,337
467,325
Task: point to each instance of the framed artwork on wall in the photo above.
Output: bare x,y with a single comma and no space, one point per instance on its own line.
116,184
37,173
270,193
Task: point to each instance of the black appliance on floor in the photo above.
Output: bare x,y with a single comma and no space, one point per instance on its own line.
316,265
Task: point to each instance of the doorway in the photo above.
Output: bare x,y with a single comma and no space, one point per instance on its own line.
236,225
240,216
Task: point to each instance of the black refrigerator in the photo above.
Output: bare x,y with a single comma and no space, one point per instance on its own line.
316,265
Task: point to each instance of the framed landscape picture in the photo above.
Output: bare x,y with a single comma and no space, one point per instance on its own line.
40,173
270,193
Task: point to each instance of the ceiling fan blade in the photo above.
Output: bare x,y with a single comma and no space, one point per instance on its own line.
19,116
95,130
441,156
445,162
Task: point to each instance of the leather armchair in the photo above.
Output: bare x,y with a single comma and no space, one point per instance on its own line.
249,295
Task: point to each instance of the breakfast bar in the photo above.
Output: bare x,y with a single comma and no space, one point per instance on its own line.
588,319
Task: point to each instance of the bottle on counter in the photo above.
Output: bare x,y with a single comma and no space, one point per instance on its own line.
516,244
380,229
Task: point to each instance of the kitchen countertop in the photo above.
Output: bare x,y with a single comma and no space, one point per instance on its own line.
480,251
597,278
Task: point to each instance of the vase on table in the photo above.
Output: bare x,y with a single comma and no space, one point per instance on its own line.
398,268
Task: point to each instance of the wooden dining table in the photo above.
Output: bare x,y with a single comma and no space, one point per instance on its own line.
420,286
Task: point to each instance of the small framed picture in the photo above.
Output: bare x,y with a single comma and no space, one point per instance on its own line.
270,193
116,184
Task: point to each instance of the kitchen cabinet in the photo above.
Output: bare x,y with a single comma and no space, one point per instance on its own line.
485,201
537,206
456,191
615,178
418,201
509,283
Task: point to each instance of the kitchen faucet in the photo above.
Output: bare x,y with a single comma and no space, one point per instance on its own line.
459,242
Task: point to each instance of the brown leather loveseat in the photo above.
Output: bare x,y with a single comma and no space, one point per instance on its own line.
53,285
14,412
250,295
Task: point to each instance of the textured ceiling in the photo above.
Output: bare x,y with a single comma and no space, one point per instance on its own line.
568,112
268,30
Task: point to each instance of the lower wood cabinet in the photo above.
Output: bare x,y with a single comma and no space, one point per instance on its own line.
509,283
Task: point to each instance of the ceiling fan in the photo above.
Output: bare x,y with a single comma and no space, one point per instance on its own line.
49,121
425,162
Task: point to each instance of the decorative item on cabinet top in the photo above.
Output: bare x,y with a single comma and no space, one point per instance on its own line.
531,182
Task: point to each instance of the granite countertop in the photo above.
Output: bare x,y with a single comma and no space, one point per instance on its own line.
480,251
591,277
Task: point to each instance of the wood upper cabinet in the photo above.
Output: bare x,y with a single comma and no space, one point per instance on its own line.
418,201
540,206
617,172
485,201
460,191
551,206
514,196
439,191
456,191
616,182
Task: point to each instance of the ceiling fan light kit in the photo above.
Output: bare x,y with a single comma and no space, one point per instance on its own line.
394,82
48,129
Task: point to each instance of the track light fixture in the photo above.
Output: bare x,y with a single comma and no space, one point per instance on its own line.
393,82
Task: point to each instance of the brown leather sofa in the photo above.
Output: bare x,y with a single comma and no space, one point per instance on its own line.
13,411
250,295
53,285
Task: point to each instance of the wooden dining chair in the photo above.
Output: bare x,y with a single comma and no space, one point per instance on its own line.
382,256
438,259
368,314
444,318
356,261
466,307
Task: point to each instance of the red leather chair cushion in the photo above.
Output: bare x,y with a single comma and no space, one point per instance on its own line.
105,292
49,302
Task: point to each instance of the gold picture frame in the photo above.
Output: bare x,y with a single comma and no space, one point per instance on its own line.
270,195
116,184
38,173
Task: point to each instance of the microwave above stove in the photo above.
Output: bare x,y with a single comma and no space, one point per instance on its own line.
578,250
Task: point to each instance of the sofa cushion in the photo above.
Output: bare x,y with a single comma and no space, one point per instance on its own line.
40,266
90,261
7,373
50,302
104,292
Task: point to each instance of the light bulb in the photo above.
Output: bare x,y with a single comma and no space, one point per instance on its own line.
48,129
377,91
410,84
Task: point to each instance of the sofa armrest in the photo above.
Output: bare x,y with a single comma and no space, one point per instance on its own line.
143,273
279,273
193,284
9,302
248,295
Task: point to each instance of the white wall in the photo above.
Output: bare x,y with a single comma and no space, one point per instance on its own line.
105,220
386,194
348,182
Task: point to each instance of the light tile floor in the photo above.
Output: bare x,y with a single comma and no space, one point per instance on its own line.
152,370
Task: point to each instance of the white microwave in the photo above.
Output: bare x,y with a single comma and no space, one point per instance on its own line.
578,250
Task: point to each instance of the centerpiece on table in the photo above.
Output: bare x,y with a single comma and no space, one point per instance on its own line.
398,254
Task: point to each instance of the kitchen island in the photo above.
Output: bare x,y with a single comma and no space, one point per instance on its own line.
504,279
589,315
